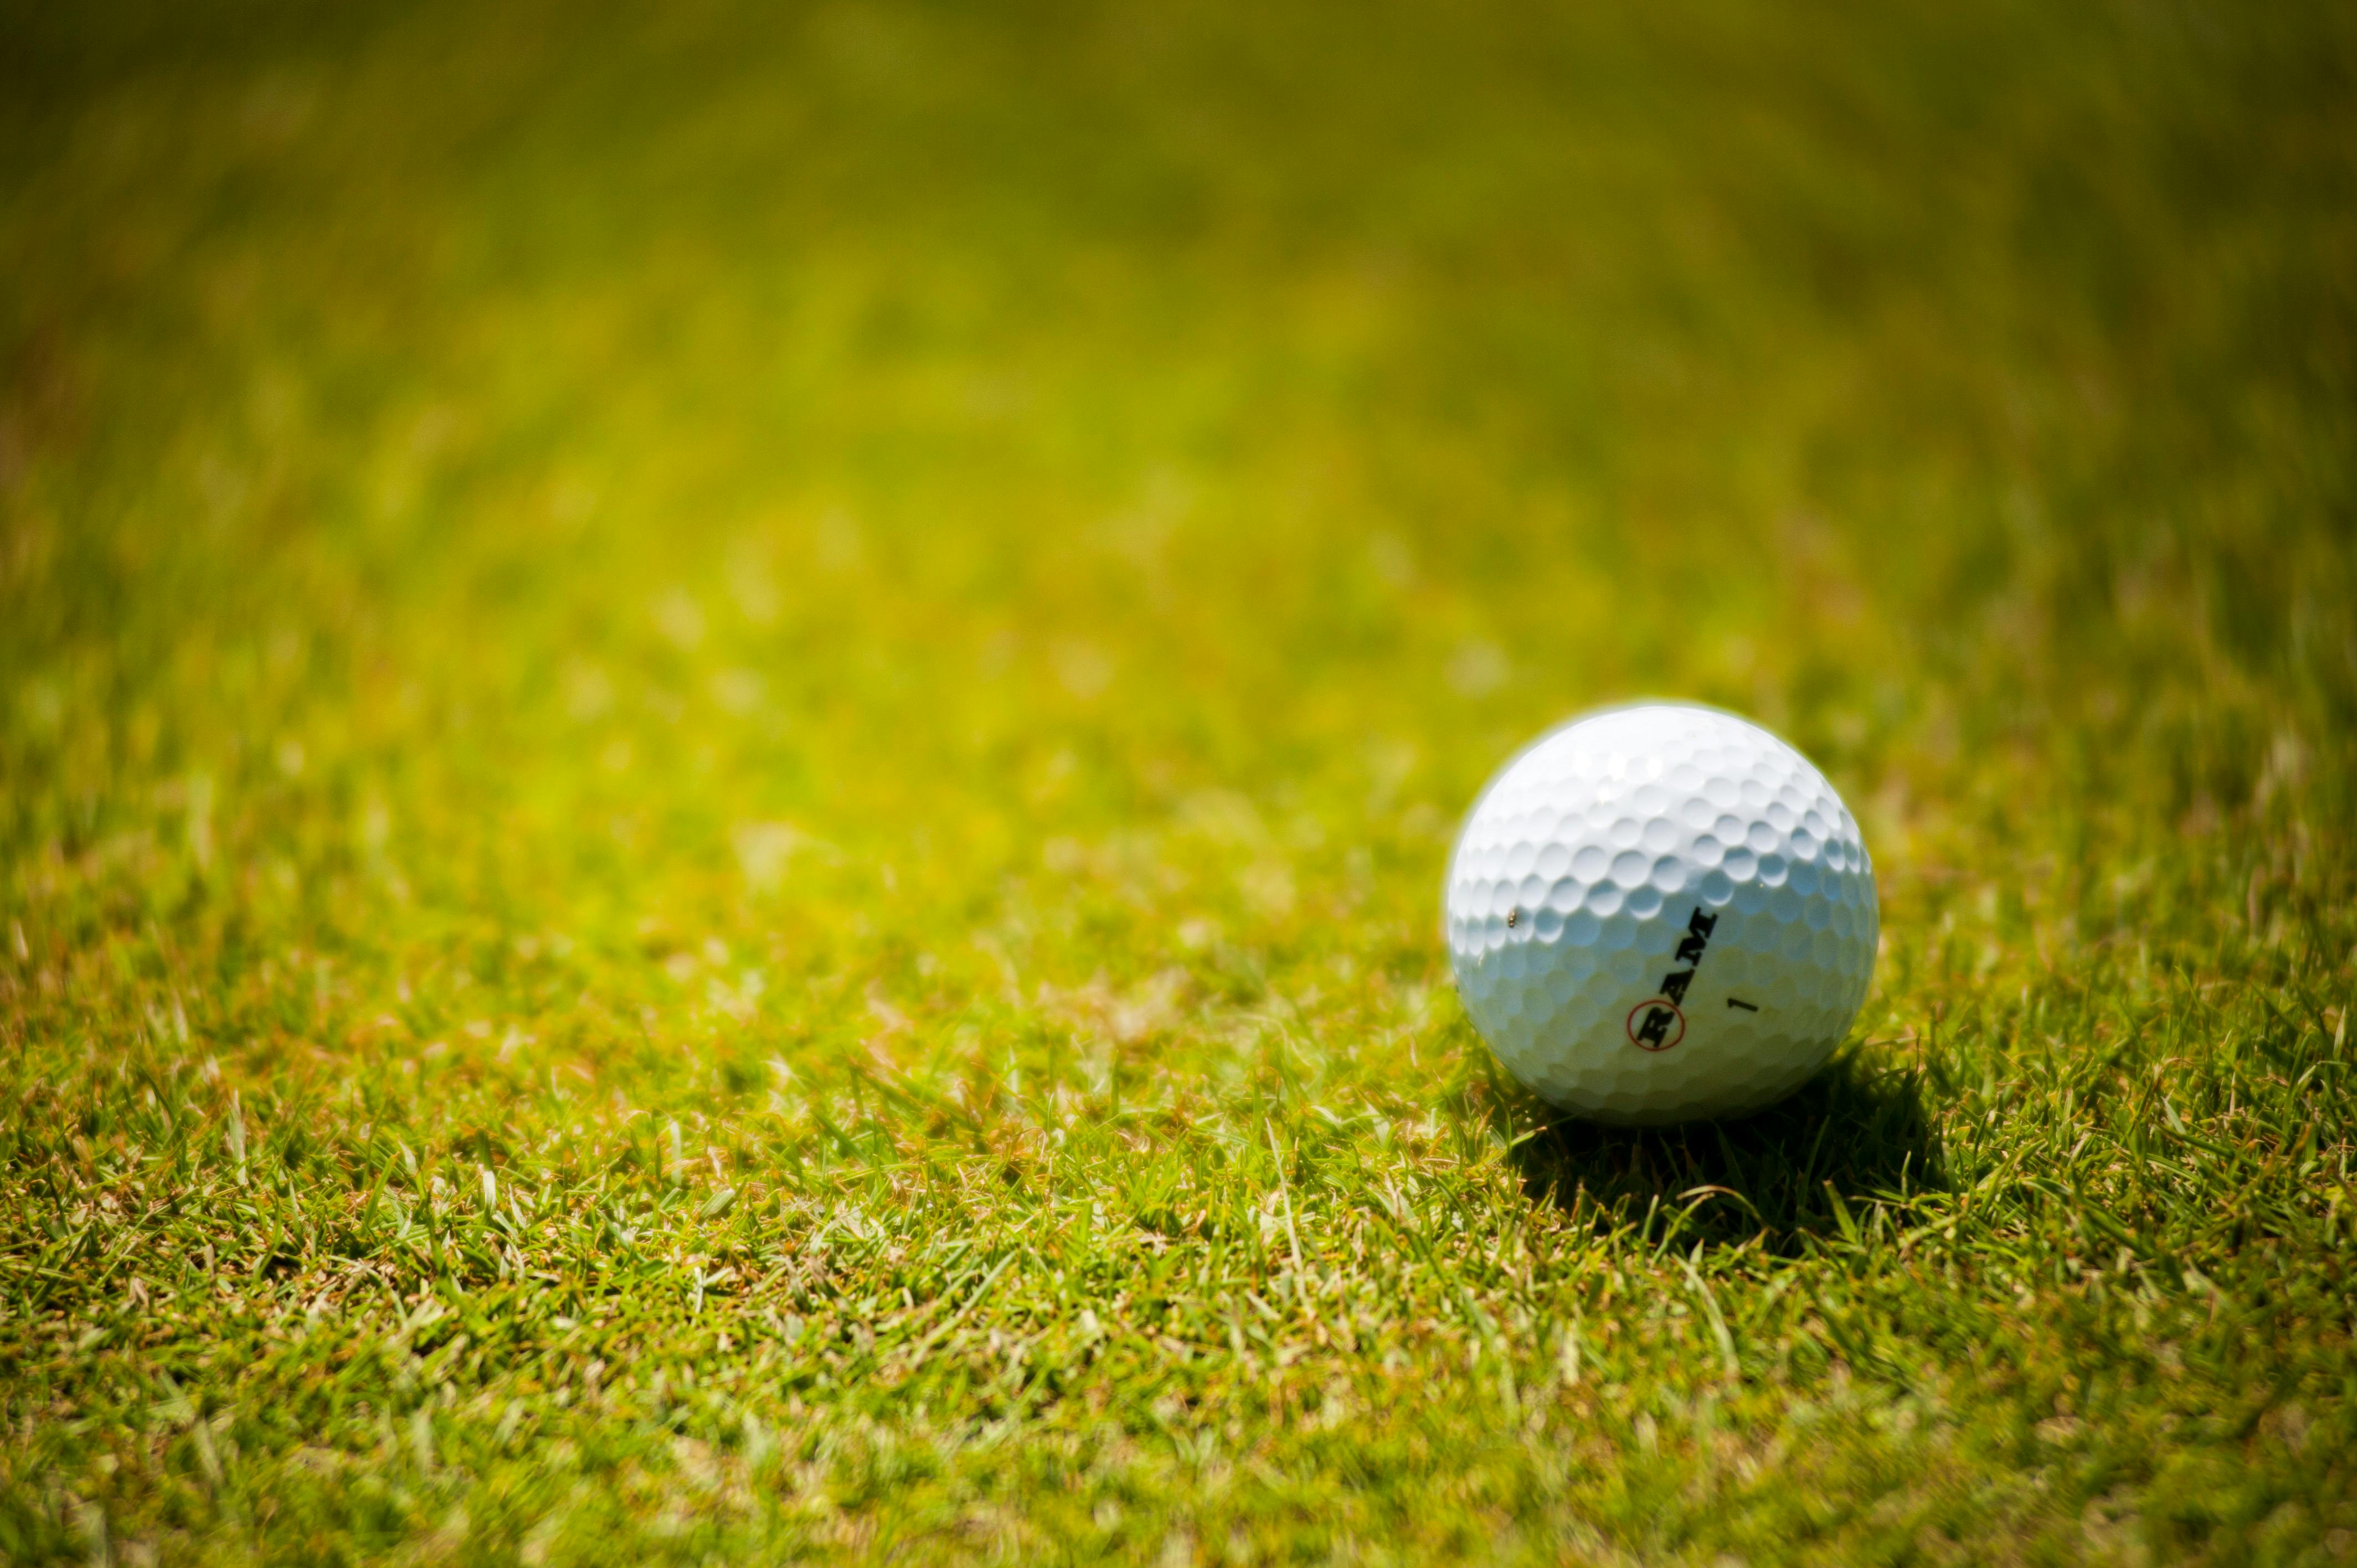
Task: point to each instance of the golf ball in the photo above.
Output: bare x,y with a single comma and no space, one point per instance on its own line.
1661,912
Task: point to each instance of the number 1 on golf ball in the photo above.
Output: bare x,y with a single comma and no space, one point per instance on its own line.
1661,912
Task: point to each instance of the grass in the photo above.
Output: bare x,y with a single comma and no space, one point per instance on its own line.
726,738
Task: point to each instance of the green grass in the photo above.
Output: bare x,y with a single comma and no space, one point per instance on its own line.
726,742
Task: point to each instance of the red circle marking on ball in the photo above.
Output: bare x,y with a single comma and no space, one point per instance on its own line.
1648,1006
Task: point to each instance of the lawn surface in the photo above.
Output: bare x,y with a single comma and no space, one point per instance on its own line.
727,737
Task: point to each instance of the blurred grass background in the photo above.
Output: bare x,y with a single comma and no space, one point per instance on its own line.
885,610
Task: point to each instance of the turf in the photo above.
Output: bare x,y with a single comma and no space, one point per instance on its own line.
727,735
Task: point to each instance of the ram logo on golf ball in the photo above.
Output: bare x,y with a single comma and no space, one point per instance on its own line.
1658,1014
1631,835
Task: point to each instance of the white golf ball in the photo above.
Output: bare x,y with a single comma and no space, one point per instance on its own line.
1661,912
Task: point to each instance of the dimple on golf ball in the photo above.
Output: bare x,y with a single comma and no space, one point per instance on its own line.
1661,912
